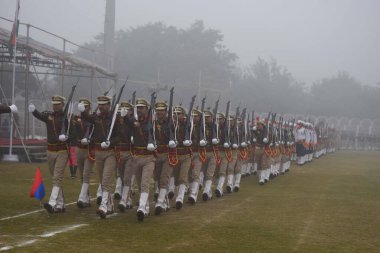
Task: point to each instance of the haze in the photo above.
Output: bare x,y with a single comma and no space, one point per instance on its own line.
313,39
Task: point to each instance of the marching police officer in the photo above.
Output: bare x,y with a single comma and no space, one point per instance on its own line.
105,159
57,150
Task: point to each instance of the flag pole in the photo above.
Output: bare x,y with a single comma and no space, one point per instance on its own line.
12,157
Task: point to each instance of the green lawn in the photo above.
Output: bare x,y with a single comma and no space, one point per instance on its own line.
329,205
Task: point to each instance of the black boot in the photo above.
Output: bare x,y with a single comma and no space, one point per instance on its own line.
71,171
74,175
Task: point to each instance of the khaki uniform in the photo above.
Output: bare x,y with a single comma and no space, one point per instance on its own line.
262,159
105,159
57,156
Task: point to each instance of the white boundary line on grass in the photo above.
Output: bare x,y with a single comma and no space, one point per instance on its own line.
39,210
44,235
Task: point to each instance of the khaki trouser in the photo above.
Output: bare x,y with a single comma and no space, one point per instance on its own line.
231,165
222,168
57,163
181,171
238,165
209,166
143,167
162,170
105,162
196,168
262,160
84,164
125,162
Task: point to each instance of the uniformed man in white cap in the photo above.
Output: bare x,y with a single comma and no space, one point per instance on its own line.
143,159
85,154
124,148
105,159
57,150
183,156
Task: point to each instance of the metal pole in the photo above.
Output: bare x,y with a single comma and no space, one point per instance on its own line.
26,114
63,65
13,97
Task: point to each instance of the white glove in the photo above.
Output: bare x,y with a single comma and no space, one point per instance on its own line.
62,137
32,108
105,144
81,107
123,112
84,141
13,108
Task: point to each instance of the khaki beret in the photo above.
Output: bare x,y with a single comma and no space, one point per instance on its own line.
57,99
161,105
142,102
179,109
84,101
104,100
196,112
125,104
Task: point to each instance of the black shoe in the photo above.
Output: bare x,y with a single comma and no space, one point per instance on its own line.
254,173
121,208
101,213
140,215
171,195
157,210
116,196
191,200
59,210
236,189
228,188
98,200
82,204
178,205
218,193
205,196
265,180
48,208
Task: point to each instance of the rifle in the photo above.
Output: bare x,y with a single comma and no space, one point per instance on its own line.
254,127
244,128
134,106
172,139
215,124
151,124
266,138
187,142
116,102
227,127
114,110
66,109
202,126
236,132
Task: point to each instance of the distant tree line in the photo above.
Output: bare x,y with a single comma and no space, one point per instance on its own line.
157,53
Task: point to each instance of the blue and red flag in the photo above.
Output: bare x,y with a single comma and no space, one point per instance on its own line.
38,188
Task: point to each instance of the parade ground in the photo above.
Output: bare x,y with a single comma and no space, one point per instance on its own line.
329,205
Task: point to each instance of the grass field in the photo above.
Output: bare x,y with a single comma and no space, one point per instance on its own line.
329,205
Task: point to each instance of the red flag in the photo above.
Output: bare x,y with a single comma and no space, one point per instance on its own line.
38,189
14,33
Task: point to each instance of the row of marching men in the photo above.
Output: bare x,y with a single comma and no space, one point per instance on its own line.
142,139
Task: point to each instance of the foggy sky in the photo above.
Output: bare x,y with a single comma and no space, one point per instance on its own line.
314,39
